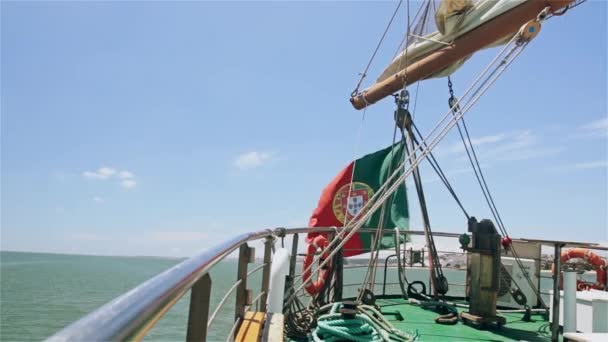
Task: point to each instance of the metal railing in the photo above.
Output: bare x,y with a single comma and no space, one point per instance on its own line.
133,314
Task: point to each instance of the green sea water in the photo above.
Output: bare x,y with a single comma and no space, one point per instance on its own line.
42,293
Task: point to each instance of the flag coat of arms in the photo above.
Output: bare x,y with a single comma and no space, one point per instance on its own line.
349,192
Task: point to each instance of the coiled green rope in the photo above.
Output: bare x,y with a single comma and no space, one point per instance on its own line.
368,325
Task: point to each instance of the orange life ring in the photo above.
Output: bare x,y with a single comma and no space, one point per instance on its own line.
593,259
314,287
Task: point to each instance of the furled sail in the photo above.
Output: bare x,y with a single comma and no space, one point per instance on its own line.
461,27
453,18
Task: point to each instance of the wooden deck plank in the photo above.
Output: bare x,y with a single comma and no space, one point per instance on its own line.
251,328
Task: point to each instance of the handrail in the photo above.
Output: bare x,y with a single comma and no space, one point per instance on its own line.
133,314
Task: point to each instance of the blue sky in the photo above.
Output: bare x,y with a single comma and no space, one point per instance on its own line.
162,128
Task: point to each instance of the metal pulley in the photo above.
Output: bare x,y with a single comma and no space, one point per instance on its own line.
453,103
452,100
519,297
529,30
403,118
442,285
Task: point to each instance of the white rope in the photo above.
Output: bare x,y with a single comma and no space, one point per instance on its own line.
370,273
430,39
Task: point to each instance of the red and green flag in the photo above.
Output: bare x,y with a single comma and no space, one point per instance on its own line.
361,179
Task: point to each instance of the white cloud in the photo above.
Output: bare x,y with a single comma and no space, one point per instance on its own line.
128,183
101,173
597,124
183,236
591,165
595,164
497,143
502,147
594,129
521,145
87,237
517,141
98,199
531,153
251,160
484,140
450,174
126,175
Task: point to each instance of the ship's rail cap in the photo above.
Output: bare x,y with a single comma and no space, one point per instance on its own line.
568,244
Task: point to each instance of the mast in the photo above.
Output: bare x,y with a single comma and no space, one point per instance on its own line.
482,36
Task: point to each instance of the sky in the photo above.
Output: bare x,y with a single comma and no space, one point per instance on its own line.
164,128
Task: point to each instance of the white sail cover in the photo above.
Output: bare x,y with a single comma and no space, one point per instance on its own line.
454,24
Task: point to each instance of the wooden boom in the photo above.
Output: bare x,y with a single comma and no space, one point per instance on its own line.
503,25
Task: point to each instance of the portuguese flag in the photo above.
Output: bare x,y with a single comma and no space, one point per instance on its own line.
336,206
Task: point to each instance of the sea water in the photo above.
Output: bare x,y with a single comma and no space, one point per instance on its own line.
42,293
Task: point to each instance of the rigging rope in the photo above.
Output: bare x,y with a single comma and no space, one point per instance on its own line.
404,121
370,273
474,161
435,165
385,190
390,22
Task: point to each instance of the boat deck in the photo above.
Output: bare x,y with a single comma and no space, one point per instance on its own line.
422,321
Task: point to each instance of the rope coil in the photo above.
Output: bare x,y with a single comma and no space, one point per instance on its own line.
361,324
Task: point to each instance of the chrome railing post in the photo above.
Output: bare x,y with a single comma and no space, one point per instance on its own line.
266,272
246,256
199,309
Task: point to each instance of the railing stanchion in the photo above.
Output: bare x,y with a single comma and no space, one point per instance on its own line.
266,272
199,310
246,255
294,255
386,260
339,267
555,312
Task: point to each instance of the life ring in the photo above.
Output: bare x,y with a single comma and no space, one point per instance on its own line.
593,259
314,287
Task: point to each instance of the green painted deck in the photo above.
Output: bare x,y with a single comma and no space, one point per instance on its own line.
417,319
